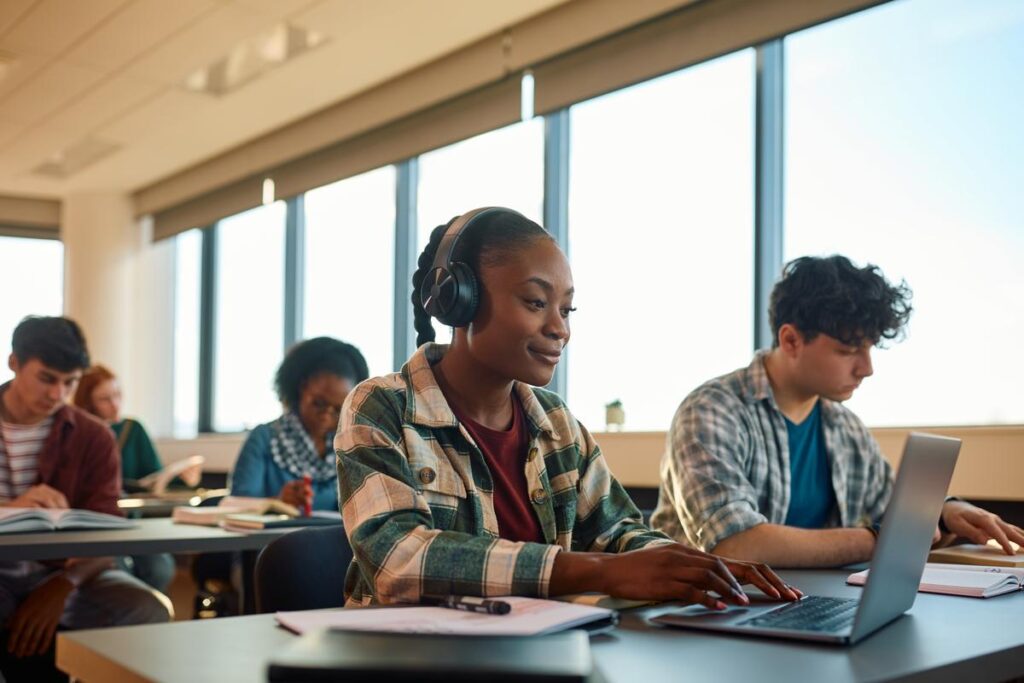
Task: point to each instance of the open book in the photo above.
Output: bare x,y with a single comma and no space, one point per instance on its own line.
990,554
956,579
529,617
232,505
15,520
190,470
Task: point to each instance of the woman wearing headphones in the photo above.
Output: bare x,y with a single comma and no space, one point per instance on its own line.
458,476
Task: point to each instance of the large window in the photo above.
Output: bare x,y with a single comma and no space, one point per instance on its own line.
249,326
661,240
187,260
349,275
34,270
903,149
502,168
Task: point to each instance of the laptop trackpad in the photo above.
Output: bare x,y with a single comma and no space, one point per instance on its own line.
696,615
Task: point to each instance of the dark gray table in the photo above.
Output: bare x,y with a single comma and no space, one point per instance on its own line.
942,638
150,536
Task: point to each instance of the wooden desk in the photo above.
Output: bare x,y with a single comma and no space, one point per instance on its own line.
942,638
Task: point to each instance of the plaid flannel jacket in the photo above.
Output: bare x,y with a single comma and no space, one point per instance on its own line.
726,464
417,498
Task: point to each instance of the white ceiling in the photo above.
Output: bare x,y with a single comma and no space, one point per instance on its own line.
112,70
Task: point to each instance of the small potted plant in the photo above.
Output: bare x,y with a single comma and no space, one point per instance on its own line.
614,416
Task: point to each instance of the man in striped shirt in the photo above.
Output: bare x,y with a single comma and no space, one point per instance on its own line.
53,455
766,464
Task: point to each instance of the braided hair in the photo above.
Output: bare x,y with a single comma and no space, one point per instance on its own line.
490,240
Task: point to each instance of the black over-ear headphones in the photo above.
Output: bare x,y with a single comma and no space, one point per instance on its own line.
450,291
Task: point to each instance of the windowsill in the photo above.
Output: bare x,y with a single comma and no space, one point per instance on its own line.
990,464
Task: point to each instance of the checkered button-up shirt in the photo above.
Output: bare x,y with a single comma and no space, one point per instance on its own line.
726,465
417,497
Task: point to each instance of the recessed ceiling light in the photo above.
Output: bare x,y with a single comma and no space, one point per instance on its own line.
253,58
74,158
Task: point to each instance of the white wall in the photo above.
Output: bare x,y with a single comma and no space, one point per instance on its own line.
119,287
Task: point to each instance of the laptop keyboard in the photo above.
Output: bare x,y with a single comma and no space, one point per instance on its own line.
812,613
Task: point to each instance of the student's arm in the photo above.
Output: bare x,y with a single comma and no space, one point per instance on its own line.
249,474
705,471
607,520
647,564
786,546
100,471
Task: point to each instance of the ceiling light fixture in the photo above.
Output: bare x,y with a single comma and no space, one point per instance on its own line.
73,158
253,58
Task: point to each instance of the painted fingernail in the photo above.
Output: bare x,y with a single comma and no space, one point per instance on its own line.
720,605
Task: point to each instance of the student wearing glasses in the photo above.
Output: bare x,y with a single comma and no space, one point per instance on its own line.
460,476
314,378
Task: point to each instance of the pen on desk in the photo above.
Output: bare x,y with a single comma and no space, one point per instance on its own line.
469,604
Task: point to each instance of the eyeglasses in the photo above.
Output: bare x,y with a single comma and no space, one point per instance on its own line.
322,406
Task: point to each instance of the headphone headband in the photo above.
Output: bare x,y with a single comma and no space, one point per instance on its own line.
450,292
442,258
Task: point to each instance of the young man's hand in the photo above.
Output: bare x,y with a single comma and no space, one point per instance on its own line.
31,628
978,526
40,496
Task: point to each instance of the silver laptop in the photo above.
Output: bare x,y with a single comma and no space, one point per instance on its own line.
896,567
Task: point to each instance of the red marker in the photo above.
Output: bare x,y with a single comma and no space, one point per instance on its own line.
307,483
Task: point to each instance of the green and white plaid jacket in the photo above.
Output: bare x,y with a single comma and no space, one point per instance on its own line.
417,497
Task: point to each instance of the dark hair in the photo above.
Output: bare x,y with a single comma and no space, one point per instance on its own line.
312,357
488,242
56,342
832,296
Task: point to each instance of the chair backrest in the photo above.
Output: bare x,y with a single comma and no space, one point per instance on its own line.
304,569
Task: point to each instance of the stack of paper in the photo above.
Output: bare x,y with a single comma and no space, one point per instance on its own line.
529,616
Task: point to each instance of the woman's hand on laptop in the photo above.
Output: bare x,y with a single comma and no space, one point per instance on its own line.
761,576
978,526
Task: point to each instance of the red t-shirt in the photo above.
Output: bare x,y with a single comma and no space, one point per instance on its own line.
505,454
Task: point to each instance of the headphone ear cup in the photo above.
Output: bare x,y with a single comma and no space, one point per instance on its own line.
466,297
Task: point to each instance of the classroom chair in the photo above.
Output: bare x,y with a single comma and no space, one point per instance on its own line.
303,569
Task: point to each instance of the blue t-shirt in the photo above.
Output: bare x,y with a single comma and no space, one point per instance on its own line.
811,496
257,475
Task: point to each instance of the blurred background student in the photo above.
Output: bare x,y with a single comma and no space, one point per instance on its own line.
312,382
99,393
